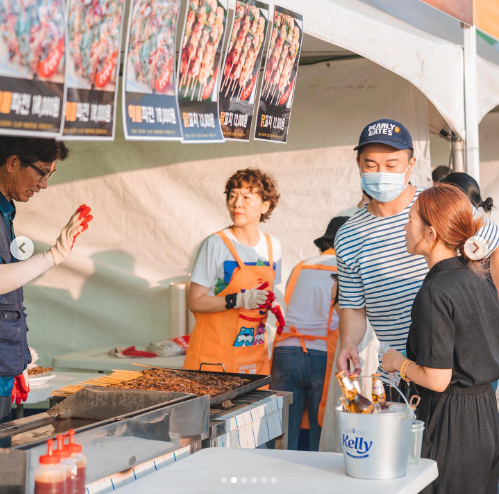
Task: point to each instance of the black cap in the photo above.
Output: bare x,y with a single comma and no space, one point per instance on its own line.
332,229
386,131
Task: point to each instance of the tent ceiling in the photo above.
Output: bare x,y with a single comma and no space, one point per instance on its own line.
314,47
365,27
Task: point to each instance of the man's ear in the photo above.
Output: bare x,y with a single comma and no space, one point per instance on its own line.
11,163
412,164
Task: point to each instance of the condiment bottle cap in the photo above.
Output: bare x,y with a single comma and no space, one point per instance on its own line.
61,451
49,458
72,446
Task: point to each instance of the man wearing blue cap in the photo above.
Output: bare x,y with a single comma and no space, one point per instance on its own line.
377,276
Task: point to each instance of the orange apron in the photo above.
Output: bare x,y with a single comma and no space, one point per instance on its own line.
331,339
234,338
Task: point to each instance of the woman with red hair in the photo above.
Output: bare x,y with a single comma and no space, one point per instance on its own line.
453,344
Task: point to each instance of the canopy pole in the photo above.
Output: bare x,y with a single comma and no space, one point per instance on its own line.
457,146
472,150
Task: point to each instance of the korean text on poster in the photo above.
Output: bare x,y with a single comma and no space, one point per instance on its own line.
242,68
31,67
281,70
199,70
93,60
150,109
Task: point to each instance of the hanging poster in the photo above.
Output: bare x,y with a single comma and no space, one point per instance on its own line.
150,109
241,68
93,60
31,67
281,70
199,70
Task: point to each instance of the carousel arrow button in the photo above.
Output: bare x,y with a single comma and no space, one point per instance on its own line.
22,248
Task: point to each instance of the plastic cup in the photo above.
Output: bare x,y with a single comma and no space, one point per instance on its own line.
416,440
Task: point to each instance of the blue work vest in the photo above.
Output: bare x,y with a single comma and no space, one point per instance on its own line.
14,352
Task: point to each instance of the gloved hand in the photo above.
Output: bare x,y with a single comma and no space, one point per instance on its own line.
21,388
253,299
276,309
77,224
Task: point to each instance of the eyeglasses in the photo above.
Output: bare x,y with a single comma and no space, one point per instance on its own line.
44,175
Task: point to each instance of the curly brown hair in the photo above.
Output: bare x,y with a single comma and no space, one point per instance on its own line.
264,184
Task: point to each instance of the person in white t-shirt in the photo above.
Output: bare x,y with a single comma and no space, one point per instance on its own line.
302,351
232,281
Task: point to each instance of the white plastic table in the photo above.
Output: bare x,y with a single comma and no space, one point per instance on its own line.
40,394
98,359
257,471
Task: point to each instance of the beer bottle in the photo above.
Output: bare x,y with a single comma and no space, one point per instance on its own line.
379,395
358,404
355,380
345,406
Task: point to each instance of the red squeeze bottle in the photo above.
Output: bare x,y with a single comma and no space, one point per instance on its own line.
68,463
50,475
81,463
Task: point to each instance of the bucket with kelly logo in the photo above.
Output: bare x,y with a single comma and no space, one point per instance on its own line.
375,446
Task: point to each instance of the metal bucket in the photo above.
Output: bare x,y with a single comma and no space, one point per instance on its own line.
375,446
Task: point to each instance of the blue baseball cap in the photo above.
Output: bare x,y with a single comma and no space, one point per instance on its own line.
386,131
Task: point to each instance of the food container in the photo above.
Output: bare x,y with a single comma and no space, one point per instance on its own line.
375,446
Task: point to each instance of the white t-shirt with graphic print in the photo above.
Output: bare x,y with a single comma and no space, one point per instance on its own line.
215,265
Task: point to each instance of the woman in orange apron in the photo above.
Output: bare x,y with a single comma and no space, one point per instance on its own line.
303,354
232,282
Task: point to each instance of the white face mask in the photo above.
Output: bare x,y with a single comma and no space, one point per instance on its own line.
384,186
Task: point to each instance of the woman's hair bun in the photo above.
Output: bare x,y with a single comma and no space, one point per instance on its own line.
487,205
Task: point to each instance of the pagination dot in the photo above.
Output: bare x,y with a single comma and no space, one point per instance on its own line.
233,480
244,480
264,480
224,480
254,480
273,480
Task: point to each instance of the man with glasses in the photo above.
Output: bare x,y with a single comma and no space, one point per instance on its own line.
25,166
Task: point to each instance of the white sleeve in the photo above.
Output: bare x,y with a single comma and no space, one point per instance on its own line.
17,274
489,231
206,266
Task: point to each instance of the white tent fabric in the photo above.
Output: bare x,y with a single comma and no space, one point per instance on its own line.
489,161
153,204
413,40
487,77
368,27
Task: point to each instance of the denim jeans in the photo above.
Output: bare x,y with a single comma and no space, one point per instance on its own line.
303,374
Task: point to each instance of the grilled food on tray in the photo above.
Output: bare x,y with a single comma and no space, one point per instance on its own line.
38,371
186,382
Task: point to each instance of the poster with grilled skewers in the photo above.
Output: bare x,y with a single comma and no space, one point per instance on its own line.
93,60
150,110
199,70
31,67
279,76
241,68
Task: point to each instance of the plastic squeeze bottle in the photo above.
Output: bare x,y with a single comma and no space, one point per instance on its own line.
81,463
69,464
50,475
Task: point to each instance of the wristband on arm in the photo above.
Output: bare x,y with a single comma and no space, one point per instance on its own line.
230,301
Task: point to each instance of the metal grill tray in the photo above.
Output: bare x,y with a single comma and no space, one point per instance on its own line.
256,381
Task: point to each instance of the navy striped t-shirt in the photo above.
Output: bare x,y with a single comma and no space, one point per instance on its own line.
376,271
